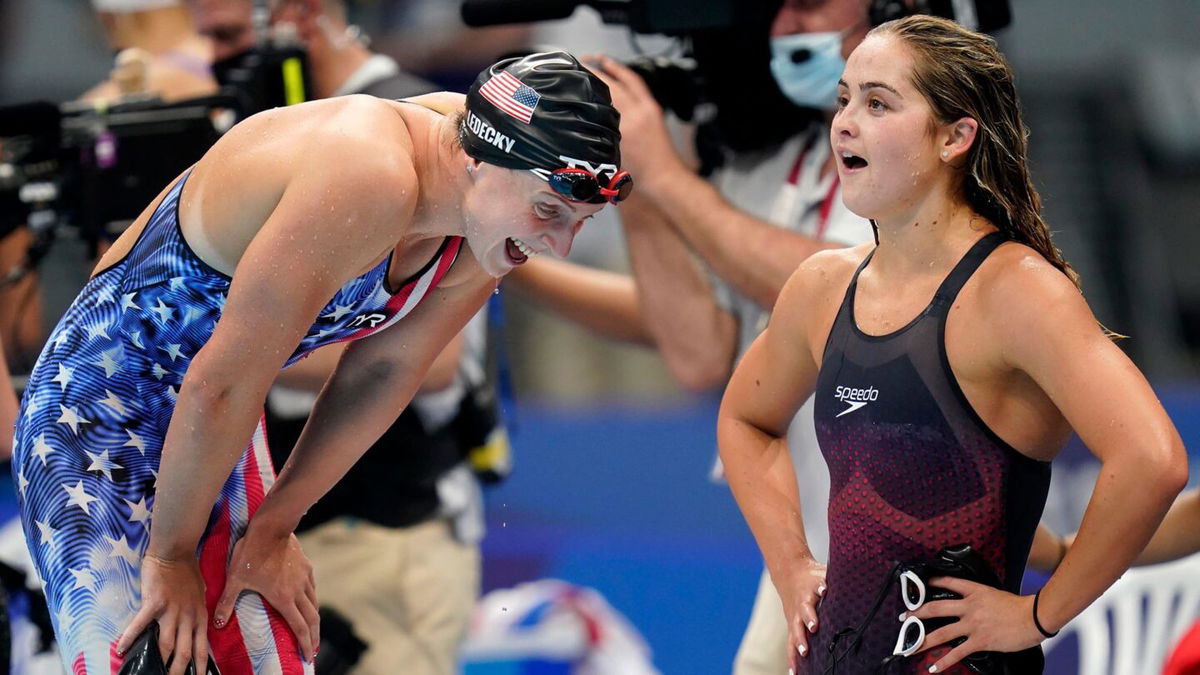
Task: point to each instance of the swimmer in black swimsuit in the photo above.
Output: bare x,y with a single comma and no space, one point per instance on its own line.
949,363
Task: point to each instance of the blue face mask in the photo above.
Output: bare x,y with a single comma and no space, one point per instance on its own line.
811,83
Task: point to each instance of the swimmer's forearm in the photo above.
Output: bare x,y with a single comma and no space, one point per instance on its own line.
1128,503
207,435
356,406
759,471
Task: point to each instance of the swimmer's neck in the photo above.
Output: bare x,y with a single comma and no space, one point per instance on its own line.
442,179
932,235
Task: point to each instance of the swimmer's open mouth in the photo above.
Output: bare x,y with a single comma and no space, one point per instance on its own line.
852,161
518,251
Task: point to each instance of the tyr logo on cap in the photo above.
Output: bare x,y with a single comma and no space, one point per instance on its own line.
594,169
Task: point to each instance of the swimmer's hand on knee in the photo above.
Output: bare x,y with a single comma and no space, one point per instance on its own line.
274,567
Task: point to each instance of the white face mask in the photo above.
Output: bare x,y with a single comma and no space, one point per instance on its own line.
811,82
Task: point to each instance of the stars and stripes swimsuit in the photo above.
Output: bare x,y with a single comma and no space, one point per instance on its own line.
91,429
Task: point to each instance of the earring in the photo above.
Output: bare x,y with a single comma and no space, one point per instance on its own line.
945,154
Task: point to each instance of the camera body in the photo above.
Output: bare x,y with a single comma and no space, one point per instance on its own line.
676,83
726,58
96,167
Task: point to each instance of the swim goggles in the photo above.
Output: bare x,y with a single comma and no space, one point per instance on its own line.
580,185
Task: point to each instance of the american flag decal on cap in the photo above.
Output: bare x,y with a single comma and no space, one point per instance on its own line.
511,95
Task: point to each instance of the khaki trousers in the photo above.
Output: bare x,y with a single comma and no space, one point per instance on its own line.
764,646
408,592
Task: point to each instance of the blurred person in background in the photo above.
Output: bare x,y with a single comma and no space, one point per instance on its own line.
168,58
938,424
8,409
395,544
1177,537
709,257
158,53
339,59
430,38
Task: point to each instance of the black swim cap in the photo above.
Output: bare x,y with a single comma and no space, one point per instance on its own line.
542,111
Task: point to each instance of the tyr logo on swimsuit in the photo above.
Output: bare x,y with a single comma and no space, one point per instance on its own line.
855,398
370,320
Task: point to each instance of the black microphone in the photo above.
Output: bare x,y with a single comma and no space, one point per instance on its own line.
479,13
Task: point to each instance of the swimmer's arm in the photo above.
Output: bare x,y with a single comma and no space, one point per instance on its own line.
696,336
269,309
1179,534
1115,412
311,372
374,381
768,386
601,301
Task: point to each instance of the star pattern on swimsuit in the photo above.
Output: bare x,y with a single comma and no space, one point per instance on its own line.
113,401
79,497
120,549
97,330
164,312
338,312
138,512
110,360
42,448
172,350
47,535
71,418
136,441
102,464
64,376
84,579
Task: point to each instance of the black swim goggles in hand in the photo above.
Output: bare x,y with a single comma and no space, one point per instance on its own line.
579,185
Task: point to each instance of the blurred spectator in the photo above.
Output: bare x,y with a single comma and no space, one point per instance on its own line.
160,51
339,60
8,409
709,258
20,297
1177,537
429,37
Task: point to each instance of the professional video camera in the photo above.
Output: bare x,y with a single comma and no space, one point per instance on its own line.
726,55
96,167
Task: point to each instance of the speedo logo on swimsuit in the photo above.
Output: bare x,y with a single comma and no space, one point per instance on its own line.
855,398
488,133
